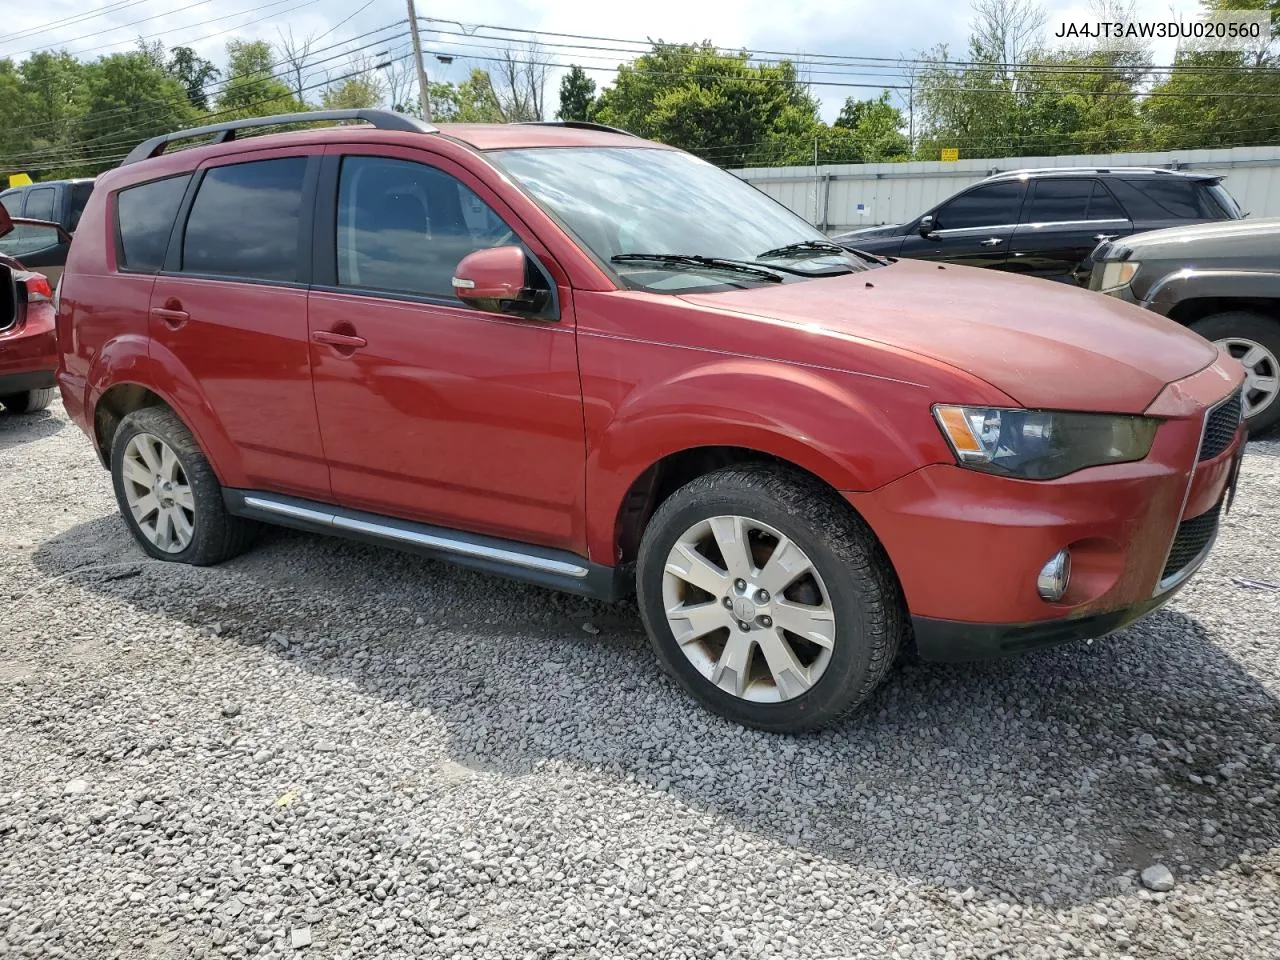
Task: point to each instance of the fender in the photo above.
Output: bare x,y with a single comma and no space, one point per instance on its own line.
854,432
129,360
1190,283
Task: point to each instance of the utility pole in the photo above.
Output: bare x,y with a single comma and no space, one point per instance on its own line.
817,180
424,93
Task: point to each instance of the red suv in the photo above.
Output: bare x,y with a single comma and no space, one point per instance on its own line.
568,355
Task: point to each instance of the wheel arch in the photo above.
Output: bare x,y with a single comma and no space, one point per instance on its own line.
661,478
1191,309
143,385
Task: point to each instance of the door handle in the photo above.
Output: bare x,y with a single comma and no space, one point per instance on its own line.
993,242
1100,237
173,318
343,341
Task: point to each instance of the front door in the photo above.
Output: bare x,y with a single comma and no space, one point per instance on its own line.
230,306
973,228
430,409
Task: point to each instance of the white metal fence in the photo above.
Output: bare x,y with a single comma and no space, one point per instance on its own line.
842,197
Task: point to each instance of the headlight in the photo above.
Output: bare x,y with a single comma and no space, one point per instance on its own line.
1039,444
1118,273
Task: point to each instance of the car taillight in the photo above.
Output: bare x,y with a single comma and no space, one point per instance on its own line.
38,289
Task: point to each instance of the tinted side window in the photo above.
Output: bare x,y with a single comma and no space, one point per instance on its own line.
244,221
144,217
994,204
1057,200
40,204
12,203
79,197
1103,206
1175,197
404,226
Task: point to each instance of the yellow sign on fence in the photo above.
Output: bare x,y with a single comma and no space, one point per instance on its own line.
950,153
19,180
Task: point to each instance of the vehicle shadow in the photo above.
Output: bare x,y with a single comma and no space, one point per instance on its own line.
19,428
1083,762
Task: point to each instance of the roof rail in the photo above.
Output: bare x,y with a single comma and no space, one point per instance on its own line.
576,125
222,132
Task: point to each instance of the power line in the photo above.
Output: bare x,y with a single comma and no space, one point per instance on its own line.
154,16
115,7
789,55
113,157
263,74
980,91
72,152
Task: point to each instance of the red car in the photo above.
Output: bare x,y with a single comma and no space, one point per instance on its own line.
28,346
568,355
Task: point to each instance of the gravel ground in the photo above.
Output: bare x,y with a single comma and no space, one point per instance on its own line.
328,750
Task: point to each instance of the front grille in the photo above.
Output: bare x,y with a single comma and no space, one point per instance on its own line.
1220,428
1192,537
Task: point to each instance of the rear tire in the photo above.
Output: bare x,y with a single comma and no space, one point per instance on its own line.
845,598
185,521
29,402
1254,339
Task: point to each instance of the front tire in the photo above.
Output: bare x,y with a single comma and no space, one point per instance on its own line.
1254,340
768,599
30,401
168,494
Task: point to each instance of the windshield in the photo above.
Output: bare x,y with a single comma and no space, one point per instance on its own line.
624,201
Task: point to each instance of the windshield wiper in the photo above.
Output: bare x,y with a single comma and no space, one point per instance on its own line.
696,260
869,257
802,246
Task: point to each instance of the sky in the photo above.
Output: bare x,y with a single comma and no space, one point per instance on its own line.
863,28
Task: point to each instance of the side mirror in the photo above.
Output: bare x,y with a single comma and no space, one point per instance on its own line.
494,279
926,225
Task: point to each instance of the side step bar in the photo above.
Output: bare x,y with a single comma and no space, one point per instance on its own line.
556,569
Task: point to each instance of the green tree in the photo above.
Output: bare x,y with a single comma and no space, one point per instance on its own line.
577,95
700,99
874,133
353,93
1220,98
472,101
194,73
129,99
252,88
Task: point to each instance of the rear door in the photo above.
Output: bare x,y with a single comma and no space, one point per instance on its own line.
974,228
230,306
1063,220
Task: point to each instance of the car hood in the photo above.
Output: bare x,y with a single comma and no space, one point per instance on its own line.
1046,345
1218,239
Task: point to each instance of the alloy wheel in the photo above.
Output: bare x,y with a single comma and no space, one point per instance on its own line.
748,608
158,494
1262,373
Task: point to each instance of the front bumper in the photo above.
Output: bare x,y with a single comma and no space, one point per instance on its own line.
967,546
954,641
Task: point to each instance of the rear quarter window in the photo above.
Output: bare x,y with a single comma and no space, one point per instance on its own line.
144,219
1176,197
12,203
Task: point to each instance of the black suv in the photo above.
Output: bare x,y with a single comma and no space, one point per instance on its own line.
1043,223
52,201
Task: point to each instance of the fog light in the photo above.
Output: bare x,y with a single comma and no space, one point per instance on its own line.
1054,576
